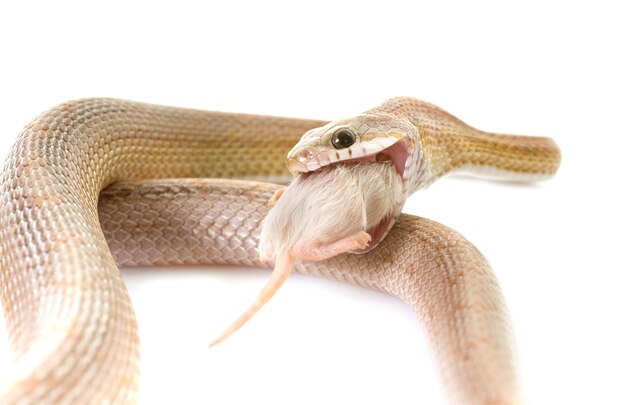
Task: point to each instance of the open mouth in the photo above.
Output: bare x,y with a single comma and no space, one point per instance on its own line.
387,149
397,153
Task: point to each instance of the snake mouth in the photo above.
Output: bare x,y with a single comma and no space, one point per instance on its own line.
396,153
391,149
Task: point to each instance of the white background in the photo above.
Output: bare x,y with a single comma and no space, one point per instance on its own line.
531,68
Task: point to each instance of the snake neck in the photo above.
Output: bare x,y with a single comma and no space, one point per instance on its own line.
484,154
446,144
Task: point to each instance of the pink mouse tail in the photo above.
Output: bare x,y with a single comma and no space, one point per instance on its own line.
282,270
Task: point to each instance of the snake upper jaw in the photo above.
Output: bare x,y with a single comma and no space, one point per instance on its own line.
389,148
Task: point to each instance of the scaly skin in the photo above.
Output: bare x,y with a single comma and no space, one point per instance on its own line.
68,314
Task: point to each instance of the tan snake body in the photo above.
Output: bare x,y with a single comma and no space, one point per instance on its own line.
68,313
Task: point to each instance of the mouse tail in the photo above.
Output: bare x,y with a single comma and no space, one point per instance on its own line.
284,263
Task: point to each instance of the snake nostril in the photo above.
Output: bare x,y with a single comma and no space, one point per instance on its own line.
304,156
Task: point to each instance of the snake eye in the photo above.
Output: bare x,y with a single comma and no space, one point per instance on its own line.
342,138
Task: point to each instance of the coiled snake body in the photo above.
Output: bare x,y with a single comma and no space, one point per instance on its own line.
69,317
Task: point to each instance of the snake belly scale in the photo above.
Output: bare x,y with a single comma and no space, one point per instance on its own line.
70,322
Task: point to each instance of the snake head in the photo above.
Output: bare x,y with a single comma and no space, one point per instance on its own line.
370,137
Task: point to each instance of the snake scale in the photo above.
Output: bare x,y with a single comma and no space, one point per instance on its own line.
94,184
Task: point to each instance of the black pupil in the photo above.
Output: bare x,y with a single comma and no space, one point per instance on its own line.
343,138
